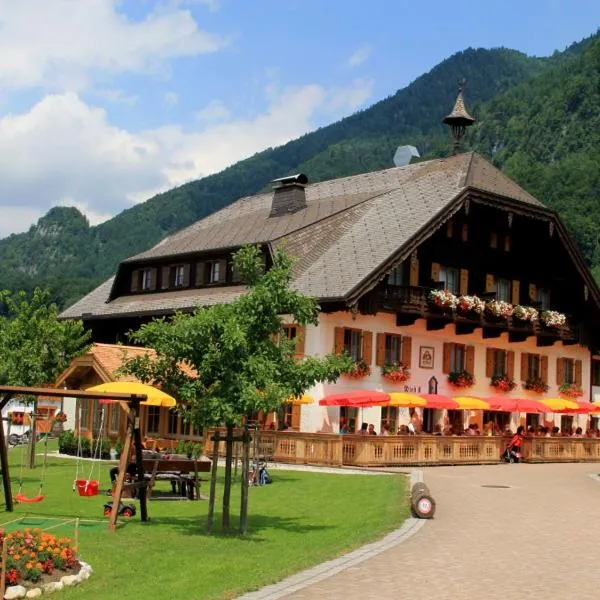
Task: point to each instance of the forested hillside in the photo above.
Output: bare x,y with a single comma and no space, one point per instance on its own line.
538,120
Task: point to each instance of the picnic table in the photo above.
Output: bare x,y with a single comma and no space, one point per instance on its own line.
182,473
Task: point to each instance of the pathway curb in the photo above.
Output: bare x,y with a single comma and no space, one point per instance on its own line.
327,569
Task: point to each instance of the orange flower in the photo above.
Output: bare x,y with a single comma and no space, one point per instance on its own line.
17,556
32,554
39,565
29,565
37,530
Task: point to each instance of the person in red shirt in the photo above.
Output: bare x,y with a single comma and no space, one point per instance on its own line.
513,450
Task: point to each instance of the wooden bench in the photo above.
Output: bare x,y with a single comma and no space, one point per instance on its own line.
178,471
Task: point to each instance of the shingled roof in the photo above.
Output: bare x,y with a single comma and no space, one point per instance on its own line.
350,226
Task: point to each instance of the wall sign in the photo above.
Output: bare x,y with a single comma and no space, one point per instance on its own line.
426,357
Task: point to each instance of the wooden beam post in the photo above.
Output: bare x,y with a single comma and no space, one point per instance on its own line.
245,475
137,438
8,499
114,513
3,574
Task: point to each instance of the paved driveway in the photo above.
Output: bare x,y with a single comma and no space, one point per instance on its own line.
538,538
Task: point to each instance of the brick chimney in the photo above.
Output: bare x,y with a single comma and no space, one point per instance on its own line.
289,195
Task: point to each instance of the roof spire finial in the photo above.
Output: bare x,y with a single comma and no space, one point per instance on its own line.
459,119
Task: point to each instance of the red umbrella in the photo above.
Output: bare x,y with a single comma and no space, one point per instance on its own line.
438,401
358,398
525,405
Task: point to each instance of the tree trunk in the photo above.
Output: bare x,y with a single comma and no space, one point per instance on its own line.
227,488
31,464
210,519
245,475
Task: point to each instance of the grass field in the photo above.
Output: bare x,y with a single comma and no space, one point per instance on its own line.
300,520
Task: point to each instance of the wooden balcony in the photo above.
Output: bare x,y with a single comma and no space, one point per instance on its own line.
408,451
411,303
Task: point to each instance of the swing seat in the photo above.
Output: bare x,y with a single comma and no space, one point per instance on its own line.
87,487
22,499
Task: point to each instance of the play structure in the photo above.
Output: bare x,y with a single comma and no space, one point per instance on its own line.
130,396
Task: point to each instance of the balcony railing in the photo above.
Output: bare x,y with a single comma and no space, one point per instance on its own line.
414,300
405,451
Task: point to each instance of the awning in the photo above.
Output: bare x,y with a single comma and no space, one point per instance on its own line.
438,401
356,398
471,403
407,400
304,399
520,405
563,405
155,397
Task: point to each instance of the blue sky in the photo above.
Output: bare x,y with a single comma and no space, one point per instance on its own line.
104,103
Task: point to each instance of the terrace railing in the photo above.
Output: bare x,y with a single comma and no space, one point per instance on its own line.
406,451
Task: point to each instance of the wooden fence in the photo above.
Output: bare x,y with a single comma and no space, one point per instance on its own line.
400,451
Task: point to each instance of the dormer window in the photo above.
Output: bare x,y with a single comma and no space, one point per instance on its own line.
148,280
177,276
214,271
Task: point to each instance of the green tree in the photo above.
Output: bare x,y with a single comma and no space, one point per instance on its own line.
34,345
241,361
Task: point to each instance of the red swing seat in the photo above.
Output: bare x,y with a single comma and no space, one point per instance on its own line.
22,499
87,487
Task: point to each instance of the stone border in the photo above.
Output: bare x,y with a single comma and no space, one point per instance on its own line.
19,591
332,567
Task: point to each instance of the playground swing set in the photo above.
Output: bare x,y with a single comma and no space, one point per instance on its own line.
130,403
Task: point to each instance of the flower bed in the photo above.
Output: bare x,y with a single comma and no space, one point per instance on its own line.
570,390
537,385
526,314
460,379
395,373
498,309
34,555
443,299
359,370
470,304
553,319
503,383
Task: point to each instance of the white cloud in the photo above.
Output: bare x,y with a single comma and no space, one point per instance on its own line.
63,151
213,112
61,44
359,56
171,98
118,97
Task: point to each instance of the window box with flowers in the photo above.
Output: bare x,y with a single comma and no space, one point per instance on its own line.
498,309
359,370
60,417
503,383
470,306
460,379
443,299
537,385
395,372
553,319
570,390
525,314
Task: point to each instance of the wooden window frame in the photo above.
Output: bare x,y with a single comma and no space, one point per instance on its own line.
299,334
147,279
177,276
151,410
448,359
443,271
172,415
506,281
595,367
115,409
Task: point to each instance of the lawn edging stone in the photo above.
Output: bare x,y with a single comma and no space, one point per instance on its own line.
13,592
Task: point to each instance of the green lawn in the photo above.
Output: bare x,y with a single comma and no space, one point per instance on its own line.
296,522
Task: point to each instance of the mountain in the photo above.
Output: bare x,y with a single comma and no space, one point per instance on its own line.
64,253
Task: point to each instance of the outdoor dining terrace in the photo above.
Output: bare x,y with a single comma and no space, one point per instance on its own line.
325,449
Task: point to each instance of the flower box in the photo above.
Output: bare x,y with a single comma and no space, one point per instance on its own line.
570,390
395,373
359,370
460,379
470,305
553,319
498,309
443,299
537,385
527,314
503,383
60,417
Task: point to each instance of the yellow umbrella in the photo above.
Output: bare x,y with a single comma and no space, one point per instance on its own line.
408,400
471,403
155,396
304,399
560,404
